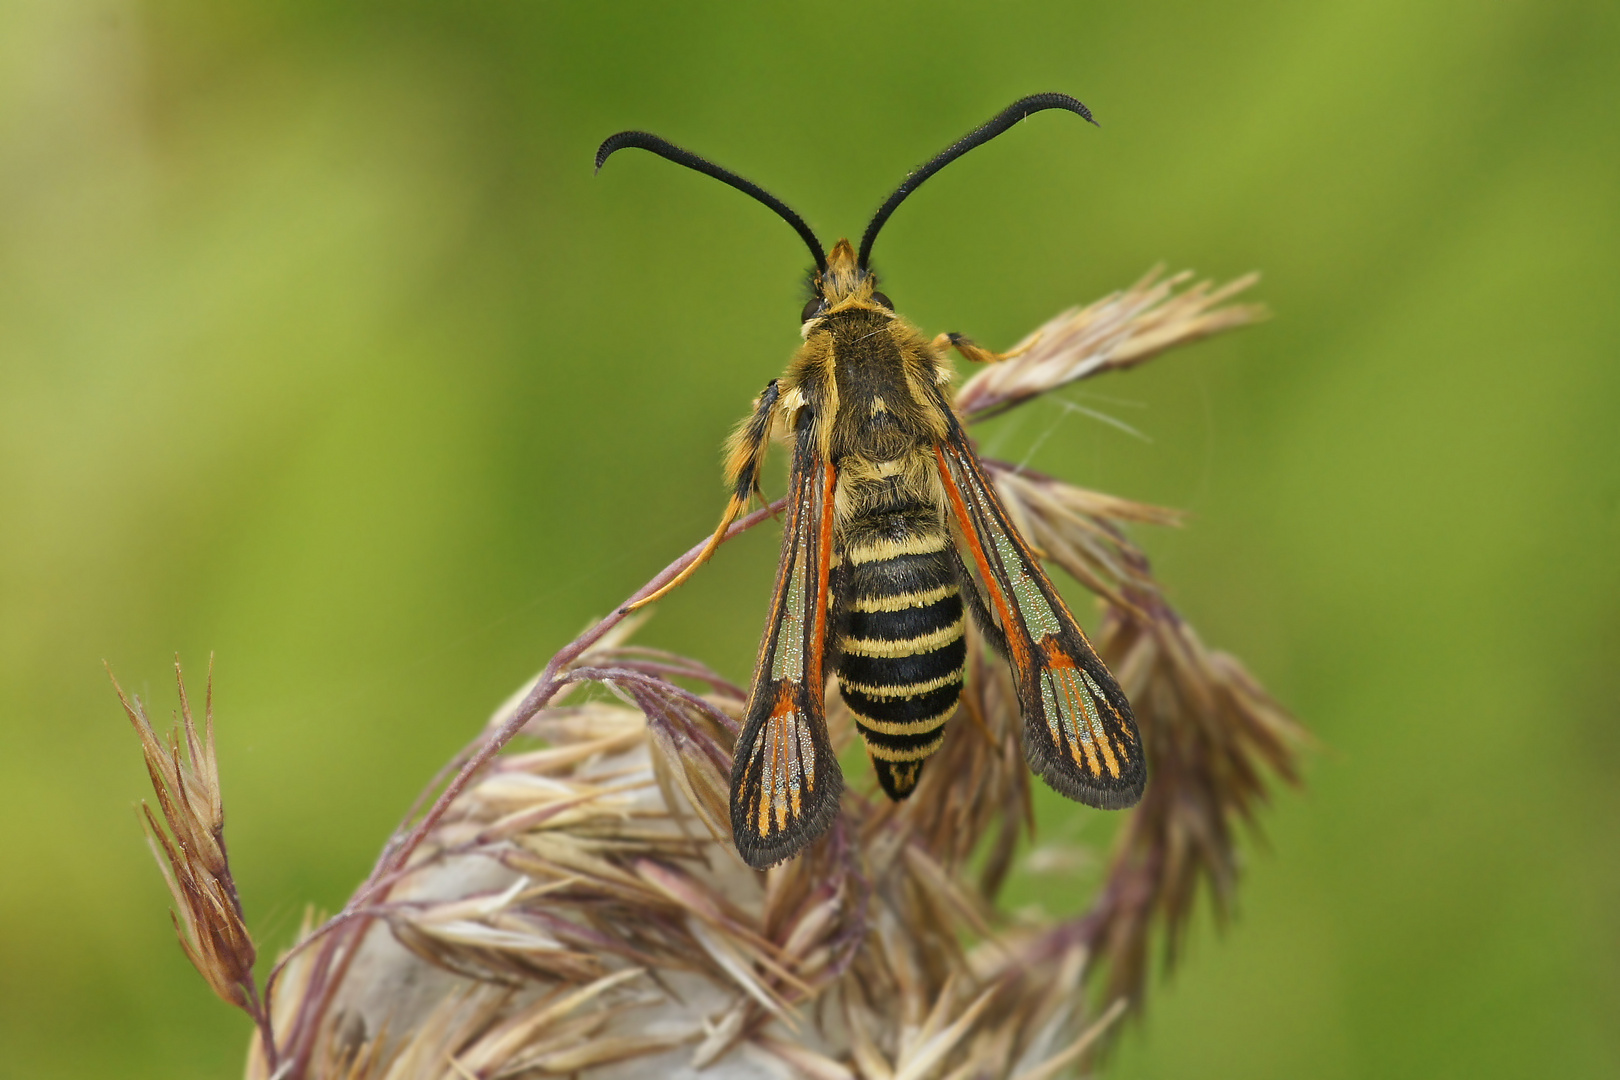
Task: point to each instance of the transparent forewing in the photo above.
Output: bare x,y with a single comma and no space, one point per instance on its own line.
785,782
1078,730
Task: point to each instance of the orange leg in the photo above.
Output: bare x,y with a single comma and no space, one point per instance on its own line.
975,353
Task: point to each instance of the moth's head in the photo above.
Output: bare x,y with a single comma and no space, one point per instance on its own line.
844,285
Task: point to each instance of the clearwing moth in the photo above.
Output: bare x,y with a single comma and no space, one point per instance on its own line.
892,532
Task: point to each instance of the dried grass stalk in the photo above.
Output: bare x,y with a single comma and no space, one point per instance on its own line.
574,906
1119,331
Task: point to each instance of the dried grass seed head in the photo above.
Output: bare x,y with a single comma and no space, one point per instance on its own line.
577,908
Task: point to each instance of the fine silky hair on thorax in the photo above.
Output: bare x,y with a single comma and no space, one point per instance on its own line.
892,533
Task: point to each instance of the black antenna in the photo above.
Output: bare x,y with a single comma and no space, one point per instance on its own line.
1003,120
643,140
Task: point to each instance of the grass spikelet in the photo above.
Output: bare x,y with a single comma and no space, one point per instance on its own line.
189,846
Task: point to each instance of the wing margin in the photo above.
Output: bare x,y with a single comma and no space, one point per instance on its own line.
1079,734
785,780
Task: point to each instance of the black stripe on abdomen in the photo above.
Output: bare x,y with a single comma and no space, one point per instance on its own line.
901,647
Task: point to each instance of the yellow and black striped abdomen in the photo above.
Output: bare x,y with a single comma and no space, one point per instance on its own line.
901,648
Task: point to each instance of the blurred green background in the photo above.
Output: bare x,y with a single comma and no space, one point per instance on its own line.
321,348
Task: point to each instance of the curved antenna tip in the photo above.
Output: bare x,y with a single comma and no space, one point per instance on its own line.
1018,111
646,140
617,142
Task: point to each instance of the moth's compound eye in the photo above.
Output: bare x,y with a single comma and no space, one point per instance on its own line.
815,307
882,301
